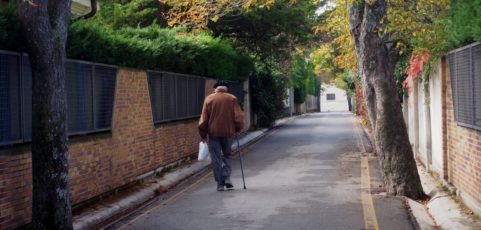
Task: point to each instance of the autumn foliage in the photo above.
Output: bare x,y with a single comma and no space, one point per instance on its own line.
416,65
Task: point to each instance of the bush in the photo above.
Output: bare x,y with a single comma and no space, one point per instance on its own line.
150,47
157,48
10,38
267,91
465,22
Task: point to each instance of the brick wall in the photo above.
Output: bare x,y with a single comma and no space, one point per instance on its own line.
102,162
464,154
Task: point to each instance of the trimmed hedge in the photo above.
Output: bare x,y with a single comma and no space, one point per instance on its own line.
465,22
151,47
157,48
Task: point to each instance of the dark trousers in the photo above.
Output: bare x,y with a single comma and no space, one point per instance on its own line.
220,150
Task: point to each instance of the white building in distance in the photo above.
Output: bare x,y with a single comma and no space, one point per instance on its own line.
333,99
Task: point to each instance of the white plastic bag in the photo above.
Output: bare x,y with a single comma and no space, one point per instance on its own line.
203,152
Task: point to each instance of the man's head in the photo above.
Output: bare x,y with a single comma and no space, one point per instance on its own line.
221,85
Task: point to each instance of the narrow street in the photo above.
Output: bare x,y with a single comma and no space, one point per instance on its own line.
312,173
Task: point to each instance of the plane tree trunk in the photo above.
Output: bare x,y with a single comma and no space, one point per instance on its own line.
377,59
44,26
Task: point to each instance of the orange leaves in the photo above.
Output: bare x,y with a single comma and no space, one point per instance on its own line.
416,64
338,50
197,14
33,4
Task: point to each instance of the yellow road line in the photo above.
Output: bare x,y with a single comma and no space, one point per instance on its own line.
370,219
369,212
172,198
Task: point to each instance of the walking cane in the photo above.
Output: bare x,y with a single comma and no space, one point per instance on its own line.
240,160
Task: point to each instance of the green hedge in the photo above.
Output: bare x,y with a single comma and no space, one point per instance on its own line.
151,47
157,48
465,22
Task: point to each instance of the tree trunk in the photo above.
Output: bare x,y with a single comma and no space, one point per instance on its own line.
384,109
44,26
349,103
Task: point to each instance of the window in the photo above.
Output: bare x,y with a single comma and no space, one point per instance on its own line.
331,96
465,69
90,97
175,96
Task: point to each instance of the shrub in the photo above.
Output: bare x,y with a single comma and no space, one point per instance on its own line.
10,38
153,47
464,26
267,91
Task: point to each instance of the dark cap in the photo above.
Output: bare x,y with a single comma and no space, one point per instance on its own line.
221,83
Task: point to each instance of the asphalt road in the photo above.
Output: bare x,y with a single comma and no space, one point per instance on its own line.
312,173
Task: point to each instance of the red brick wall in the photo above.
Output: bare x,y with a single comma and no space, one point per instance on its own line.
102,162
464,152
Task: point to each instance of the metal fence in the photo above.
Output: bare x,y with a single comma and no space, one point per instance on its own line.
465,69
90,91
175,96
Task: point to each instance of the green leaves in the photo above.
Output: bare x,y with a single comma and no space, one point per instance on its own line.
267,90
10,38
303,79
157,48
464,25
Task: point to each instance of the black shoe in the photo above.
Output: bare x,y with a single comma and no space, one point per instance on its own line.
220,188
228,185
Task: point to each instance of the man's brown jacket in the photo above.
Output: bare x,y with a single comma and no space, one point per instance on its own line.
221,116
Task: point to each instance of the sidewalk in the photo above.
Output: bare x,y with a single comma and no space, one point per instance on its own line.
442,211
122,204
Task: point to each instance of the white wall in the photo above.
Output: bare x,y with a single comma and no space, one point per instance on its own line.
422,147
340,104
411,111
426,133
435,86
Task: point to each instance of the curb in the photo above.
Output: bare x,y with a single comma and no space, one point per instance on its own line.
106,212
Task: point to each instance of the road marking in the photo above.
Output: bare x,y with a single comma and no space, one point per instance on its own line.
370,219
172,198
369,212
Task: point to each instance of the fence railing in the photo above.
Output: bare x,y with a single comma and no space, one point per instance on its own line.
90,89
465,70
175,96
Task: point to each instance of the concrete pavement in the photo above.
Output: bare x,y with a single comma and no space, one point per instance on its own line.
308,174
107,210
119,206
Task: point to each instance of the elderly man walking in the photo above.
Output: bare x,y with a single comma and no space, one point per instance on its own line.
221,120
